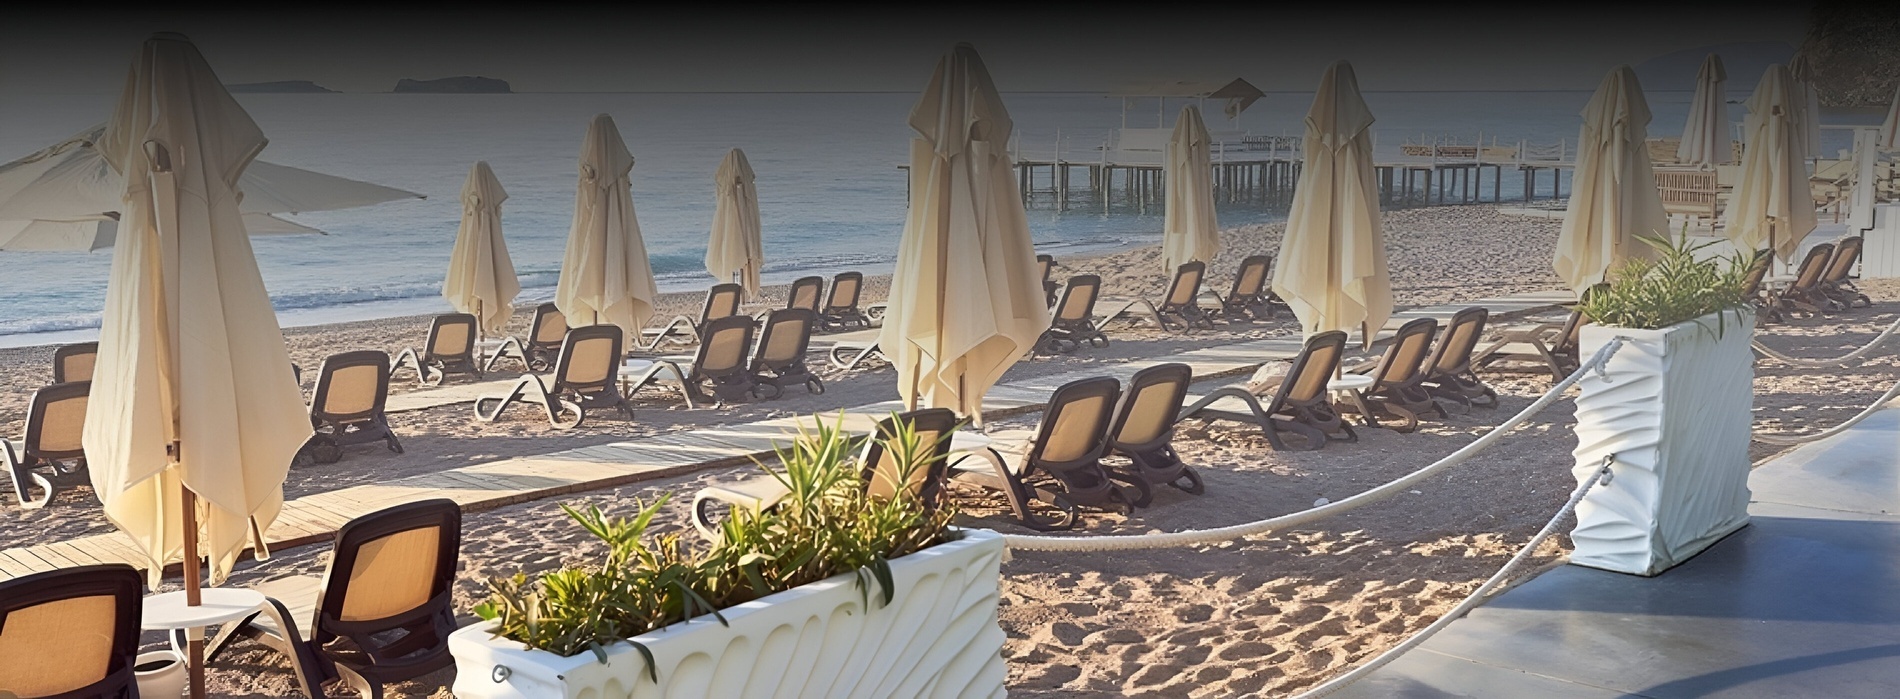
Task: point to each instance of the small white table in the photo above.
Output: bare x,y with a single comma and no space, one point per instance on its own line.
220,605
1353,387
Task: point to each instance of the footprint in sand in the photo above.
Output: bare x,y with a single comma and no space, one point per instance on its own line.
1244,650
1194,613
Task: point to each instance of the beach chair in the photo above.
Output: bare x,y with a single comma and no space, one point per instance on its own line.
1073,323
719,365
1065,454
1398,380
1753,289
1298,403
1804,294
846,356
1143,431
450,349
1046,265
841,306
780,359
71,633
381,613
1249,297
1835,282
74,362
584,378
883,471
55,427
1448,373
1180,306
347,407
722,301
538,350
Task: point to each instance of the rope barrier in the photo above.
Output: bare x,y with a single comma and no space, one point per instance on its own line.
1782,440
1202,537
1842,360
1477,596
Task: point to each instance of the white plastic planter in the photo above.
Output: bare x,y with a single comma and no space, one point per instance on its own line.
160,674
1675,411
937,638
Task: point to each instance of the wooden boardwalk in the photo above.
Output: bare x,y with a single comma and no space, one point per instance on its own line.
316,518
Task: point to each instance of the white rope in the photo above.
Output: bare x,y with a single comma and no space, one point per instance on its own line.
1477,596
1203,537
1843,360
1787,440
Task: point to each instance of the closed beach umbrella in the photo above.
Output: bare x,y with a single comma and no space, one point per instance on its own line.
1805,103
1772,205
966,298
605,277
1332,268
1190,232
481,279
1705,138
734,249
1890,129
194,416
1613,197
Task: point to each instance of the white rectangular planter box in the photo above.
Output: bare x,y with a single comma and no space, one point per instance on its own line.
1675,411
937,638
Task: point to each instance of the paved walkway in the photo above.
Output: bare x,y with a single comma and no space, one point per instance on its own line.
1803,602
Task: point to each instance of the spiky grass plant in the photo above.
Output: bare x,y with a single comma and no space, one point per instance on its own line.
1675,287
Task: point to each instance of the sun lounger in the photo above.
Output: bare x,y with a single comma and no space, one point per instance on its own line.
1398,380
719,365
71,633
851,350
1073,323
542,345
884,471
450,349
1249,297
1299,403
74,362
585,377
1180,306
1046,265
381,613
1553,345
55,427
722,301
1753,288
1804,294
1065,454
1448,373
347,408
1835,282
841,306
1143,431
780,359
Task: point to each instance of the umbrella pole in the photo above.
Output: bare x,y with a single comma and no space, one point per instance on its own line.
195,659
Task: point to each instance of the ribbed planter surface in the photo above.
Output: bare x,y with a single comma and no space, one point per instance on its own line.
937,638
1675,412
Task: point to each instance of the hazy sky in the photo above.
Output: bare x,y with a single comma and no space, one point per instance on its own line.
1452,46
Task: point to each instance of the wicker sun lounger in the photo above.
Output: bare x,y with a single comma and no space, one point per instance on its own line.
1805,293
1448,373
1180,306
55,428
74,362
1249,297
1835,283
1061,466
841,310
71,633
585,377
1073,323
1299,403
1143,431
1398,380
347,407
542,345
722,301
784,339
718,366
450,349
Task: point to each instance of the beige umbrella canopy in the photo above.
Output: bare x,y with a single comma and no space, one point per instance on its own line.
734,248
1613,197
1772,205
1890,129
1332,268
1705,138
1805,104
966,299
481,279
1190,230
605,277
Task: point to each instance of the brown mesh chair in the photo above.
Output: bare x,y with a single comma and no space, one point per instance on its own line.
450,349
74,362
55,426
841,305
382,611
1300,402
1835,282
584,378
719,364
1180,306
1061,466
1143,431
884,470
780,359
1398,380
1553,345
1073,323
722,301
1805,294
1448,373
1249,297
539,349
71,633
1046,265
347,407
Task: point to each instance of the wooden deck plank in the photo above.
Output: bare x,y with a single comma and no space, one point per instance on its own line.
12,568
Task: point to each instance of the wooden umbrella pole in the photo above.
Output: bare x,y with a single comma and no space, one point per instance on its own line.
195,646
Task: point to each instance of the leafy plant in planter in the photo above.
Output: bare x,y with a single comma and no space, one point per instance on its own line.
827,524
1675,287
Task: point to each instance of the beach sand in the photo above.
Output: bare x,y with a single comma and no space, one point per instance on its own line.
1262,616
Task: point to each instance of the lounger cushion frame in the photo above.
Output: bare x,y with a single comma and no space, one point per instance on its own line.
55,422
80,629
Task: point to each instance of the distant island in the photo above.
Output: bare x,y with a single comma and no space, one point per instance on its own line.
462,84
279,86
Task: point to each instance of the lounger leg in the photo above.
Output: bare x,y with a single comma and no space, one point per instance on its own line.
21,473
502,403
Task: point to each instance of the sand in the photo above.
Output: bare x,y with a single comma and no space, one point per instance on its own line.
1263,616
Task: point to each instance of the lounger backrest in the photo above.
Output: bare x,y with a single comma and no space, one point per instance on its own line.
886,471
1407,352
549,328
723,346
1186,285
391,567
1046,265
805,293
1145,418
1812,267
1078,299
1075,424
1306,380
722,300
1251,279
351,386
1572,333
74,362
56,421
785,338
1841,264
72,630
1458,341
451,336
1757,271
844,291
590,359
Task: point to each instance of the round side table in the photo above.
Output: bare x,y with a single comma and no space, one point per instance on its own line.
1352,387
221,605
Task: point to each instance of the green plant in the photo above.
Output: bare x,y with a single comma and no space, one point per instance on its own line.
827,524
1676,286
